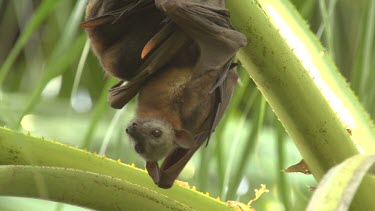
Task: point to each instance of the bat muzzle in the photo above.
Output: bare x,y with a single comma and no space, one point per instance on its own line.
132,129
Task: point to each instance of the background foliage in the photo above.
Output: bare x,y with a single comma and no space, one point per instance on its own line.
52,86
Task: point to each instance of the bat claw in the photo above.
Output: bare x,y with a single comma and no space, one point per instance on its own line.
167,5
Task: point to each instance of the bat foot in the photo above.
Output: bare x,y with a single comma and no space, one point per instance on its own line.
165,186
161,180
165,182
153,170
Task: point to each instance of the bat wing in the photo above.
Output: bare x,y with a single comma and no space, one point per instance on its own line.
133,40
210,27
218,43
119,31
101,12
157,52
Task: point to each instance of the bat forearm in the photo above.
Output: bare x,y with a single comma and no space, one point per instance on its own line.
218,3
170,6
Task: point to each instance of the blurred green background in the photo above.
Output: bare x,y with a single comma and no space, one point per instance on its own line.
52,86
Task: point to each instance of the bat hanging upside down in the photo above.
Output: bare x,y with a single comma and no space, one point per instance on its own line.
177,56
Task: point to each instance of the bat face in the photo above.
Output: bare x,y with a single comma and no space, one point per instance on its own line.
151,138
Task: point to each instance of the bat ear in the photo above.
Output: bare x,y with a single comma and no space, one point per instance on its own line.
184,139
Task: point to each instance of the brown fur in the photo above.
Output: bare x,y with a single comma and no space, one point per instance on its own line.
162,96
175,95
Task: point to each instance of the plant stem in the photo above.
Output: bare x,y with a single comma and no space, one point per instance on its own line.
49,162
303,86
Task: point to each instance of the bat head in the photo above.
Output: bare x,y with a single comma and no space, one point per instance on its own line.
153,139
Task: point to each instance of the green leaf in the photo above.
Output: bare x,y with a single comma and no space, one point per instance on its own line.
86,189
303,87
36,20
301,84
21,149
339,185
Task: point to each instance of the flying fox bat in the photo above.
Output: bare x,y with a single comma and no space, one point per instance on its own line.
177,56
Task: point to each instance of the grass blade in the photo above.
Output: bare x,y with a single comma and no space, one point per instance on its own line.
339,185
328,20
53,70
283,189
82,188
98,112
248,148
39,16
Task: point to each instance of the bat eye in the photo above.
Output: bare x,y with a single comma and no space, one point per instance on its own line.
156,133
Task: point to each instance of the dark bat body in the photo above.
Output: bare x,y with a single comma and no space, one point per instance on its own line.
180,67
118,38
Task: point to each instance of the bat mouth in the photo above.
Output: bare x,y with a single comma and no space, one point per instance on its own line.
136,138
139,148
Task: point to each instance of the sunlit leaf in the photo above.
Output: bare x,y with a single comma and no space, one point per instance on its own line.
339,185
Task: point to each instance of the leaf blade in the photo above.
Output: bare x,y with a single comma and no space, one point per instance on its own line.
339,185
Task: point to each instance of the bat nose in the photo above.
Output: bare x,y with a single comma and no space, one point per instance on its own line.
131,128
